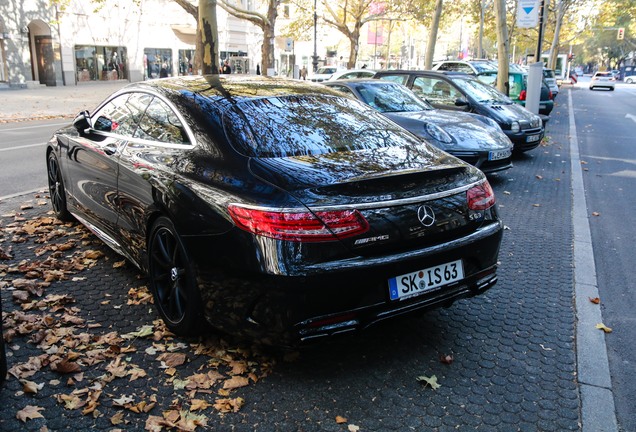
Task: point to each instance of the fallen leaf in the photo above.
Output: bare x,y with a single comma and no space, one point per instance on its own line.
340,419
596,214
119,264
353,428
29,412
235,382
229,405
117,418
595,300
432,381
30,386
536,205
603,327
539,177
172,359
199,404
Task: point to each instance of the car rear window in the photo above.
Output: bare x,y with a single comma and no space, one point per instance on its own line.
309,125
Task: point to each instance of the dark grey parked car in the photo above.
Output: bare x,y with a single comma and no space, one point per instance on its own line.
461,92
473,138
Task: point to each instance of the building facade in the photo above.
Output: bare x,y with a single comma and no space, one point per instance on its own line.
42,44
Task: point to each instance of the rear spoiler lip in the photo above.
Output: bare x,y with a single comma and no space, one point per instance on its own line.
366,206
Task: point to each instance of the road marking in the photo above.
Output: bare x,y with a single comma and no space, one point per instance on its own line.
631,116
625,173
34,127
17,194
22,147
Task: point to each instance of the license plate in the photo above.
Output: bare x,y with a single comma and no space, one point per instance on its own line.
419,282
533,138
499,154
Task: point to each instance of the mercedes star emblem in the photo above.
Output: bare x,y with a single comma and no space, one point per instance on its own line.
426,215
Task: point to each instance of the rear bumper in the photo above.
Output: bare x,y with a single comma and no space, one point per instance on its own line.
344,295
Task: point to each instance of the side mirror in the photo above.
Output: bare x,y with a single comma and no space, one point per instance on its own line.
81,121
103,124
461,102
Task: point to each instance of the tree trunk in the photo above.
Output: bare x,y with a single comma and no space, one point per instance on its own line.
554,48
502,47
208,35
432,36
354,40
480,47
268,62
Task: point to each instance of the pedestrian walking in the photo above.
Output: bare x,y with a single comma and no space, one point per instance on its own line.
258,69
227,69
303,73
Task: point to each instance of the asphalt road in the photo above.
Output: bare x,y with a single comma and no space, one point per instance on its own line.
606,122
22,161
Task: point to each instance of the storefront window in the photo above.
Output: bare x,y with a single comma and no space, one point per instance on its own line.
157,63
100,63
185,62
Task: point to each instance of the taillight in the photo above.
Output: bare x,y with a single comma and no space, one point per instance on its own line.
522,95
300,226
480,197
550,94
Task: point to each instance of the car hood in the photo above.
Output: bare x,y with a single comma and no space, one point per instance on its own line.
506,113
467,131
365,176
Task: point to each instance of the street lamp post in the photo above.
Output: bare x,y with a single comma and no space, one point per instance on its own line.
314,58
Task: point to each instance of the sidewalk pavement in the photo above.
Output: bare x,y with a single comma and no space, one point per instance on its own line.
53,102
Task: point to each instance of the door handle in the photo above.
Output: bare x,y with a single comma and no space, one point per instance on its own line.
110,149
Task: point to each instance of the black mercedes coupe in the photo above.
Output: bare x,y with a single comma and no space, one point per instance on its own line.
272,208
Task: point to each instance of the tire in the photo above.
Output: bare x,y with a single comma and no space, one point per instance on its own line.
591,88
629,80
57,192
173,280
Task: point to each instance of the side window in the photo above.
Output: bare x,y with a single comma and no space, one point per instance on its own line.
122,114
436,91
342,89
400,79
160,123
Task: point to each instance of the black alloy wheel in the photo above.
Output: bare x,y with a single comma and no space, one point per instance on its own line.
173,280
56,188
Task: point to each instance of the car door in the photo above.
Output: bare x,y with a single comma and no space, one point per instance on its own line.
161,140
93,156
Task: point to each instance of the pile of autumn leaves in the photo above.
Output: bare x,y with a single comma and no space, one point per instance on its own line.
86,358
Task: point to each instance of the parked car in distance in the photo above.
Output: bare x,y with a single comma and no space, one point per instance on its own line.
630,79
351,74
604,80
274,209
471,67
518,90
475,139
461,92
323,73
550,79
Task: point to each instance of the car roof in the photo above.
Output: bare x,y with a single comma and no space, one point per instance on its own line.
423,72
231,87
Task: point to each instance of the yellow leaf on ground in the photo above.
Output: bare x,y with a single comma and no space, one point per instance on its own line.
340,419
603,327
